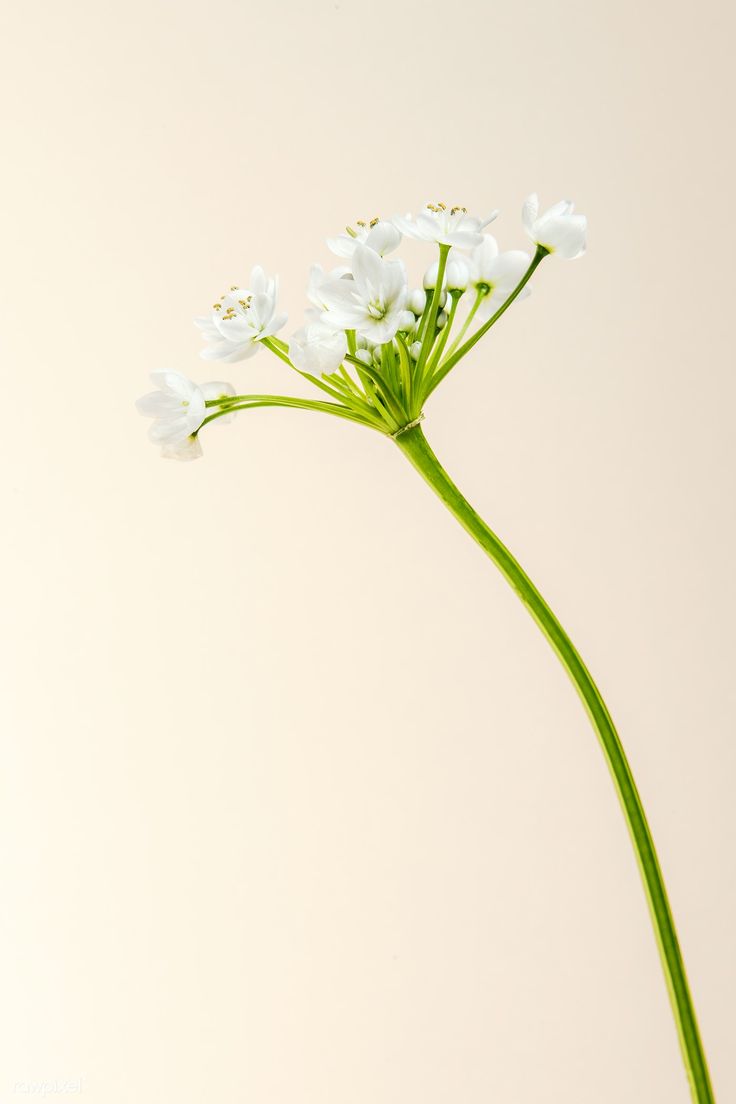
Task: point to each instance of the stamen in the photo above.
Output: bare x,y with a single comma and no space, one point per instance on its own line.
373,222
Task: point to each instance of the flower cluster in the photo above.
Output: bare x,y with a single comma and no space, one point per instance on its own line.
374,345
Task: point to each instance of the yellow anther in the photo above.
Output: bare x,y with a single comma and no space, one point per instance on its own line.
234,287
442,206
361,222
373,222
216,306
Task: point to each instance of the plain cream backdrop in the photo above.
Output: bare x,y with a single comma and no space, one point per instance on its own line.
298,807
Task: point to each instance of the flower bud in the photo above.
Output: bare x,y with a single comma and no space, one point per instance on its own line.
407,321
441,320
364,357
430,276
430,281
416,301
457,275
415,350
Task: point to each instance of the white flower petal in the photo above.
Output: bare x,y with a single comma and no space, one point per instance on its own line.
342,246
558,229
529,213
188,449
274,325
230,353
317,348
216,389
383,238
565,235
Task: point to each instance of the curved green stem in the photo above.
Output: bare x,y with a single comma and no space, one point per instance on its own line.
251,402
415,447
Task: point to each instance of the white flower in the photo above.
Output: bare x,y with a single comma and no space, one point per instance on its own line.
178,408
435,223
242,318
317,347
558,229
319,279
380,236
497,274
372,302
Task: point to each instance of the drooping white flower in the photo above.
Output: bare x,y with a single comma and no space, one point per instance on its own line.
317,347
436,224
241,319
558,229
319,279
496,274
178,408
380,236
372,302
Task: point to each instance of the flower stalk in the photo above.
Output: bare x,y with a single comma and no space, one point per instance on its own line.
415,447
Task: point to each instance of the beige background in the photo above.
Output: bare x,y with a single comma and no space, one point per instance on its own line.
297,806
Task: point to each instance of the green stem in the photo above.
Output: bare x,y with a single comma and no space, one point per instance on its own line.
430,318
479,297
439,348
250,402
415,447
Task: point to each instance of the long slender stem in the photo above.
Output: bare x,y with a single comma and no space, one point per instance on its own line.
416,448
251,402
480,296
429,319
436,355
